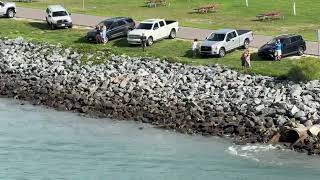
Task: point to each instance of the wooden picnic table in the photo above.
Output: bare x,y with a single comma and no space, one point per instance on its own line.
206,9
155,3
269,15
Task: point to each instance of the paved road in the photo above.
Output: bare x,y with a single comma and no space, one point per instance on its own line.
184,33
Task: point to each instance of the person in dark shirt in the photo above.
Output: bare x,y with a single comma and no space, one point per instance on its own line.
143,40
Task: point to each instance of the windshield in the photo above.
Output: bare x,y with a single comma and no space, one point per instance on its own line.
144,26
59,13
216,37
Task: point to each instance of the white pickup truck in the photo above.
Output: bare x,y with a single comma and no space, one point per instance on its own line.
7,9
153,30
224,40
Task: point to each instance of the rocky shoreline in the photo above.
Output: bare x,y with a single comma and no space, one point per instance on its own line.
209,100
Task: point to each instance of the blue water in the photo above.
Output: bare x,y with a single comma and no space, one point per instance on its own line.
39,143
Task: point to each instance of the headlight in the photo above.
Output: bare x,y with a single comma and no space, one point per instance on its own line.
215,48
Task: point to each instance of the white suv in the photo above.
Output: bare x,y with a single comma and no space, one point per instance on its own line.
58,17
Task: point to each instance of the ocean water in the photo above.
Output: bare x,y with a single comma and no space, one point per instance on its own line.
37,143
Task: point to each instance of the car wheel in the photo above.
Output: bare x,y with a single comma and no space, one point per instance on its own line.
70,26
222,52
246,44
172,34
10,13
149,41
300,51
52,26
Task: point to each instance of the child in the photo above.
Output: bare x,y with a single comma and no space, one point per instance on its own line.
194,47
246,59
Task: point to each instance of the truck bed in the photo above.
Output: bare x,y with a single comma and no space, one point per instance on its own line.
169,22
240,32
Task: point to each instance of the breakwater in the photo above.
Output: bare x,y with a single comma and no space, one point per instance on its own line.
211,100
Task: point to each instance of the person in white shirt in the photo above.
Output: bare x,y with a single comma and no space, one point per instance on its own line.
194,47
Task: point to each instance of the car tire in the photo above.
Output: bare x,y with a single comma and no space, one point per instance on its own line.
300,51
106,40
52,27
246,44
173,34
10,13
222,52
150,41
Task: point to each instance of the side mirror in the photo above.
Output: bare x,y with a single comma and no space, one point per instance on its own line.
206,38
228,39
155,28
49,15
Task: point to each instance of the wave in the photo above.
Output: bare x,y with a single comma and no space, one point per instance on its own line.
251,152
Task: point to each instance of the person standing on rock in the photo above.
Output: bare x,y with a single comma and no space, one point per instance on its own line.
194,48
143,40
278,50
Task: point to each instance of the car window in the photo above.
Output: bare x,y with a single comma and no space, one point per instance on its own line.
230,35
285,41
129,20
294,39
216,37
161,23
234,34
156,26
121,23
59,13
146,26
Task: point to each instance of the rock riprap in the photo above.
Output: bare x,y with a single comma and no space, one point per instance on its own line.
209,100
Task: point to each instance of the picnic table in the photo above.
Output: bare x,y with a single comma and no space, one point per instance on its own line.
155,3
206,9
272,15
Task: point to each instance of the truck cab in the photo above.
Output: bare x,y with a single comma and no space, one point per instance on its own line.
154,30
224,40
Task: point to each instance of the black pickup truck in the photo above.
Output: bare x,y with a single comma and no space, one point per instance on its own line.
116,27
291,44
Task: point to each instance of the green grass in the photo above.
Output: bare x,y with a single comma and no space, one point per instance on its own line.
172,50
232,13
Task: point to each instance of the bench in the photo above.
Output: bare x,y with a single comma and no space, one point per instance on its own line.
269,16
207,9
155,3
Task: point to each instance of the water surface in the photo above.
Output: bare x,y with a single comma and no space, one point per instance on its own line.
39,143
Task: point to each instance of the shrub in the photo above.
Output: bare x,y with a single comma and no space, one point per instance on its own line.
305,70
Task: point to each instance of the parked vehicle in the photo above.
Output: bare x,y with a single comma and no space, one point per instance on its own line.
291,44
225,40
116,27
7,9
154,30
58,17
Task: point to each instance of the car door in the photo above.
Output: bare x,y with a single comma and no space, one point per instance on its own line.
123,28
286,46
114,30
156,31
231,42
163,31
294,46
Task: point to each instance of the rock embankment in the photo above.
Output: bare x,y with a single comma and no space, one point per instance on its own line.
196,100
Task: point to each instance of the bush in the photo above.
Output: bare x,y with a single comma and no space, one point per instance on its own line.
305,70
